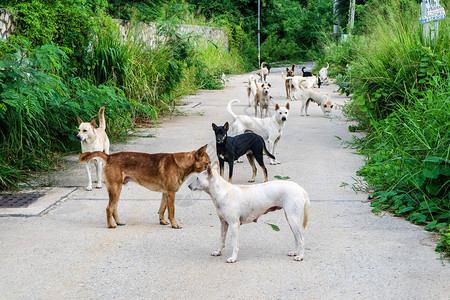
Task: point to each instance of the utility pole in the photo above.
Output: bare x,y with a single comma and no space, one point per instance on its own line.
351,22
259,32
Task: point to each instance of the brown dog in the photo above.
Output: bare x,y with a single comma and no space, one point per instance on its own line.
160,172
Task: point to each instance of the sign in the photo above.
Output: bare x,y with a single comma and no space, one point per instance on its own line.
431,11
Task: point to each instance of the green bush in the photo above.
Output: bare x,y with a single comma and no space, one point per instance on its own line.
39,108
401,94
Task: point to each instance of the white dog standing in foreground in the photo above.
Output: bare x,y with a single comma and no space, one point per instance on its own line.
242,204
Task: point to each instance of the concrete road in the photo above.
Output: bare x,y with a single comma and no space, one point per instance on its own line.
60,248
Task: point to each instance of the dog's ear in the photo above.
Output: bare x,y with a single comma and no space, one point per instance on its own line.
287,69
93,123
262,85
269,85
293,67
287,106
214,126
80,121
277,107
226,126
202,150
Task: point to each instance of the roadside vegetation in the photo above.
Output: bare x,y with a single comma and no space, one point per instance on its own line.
400,95
67,59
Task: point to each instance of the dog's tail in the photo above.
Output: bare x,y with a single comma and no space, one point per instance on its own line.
306,211
301,85
303,69
229,108
328,65
267,151
87,156
262,64
283,76
101,118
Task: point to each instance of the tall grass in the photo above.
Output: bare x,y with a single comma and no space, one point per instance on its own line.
401,86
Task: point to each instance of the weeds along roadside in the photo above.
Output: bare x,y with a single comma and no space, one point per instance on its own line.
400,89
41,96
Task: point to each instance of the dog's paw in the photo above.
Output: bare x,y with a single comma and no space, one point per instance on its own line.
251,180
297,257
120,223
89,188
177,226
239,161
98,187
163,222
231,260
112,225
216,253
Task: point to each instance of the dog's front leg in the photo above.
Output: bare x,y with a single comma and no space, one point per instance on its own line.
170,197
223,236
230,171
88,169
234,241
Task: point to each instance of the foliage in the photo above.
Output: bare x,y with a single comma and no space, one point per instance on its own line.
401,95
38,108
290,30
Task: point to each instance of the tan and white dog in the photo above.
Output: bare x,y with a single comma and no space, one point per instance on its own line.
243,204
323,75
262,98
94,139
269,128
322,99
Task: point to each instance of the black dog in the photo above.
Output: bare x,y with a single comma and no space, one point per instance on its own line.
230,148
306,74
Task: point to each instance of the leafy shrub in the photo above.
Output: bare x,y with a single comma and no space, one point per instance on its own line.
38,108
401,89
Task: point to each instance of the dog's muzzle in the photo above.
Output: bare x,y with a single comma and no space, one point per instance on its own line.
283,118
79,138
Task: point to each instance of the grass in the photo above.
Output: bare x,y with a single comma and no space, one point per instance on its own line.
401,96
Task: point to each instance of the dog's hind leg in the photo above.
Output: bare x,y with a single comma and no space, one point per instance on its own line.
295,223
223,237
251,160
88,170
99,169
114,189
162,209
260,160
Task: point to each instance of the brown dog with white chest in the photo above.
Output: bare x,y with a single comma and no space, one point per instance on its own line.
159,172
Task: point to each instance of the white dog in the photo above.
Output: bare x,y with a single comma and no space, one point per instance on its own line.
269,128
323,75
299,83
263,72
322,99
243,204
94,139
252,88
